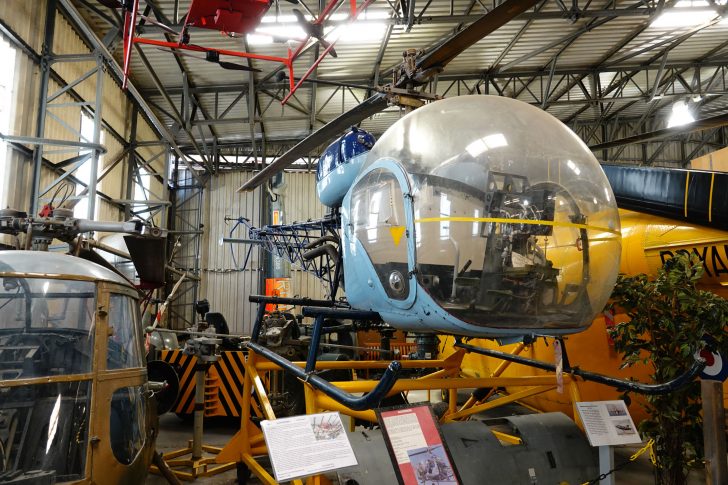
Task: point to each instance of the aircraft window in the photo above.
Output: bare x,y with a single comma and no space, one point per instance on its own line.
380,226
515,224
487,270
46,327
127,423
125,345
44,432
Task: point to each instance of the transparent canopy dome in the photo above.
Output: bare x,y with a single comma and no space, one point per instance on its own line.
515,224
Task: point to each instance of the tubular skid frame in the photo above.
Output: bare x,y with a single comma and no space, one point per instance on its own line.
444,374
619,384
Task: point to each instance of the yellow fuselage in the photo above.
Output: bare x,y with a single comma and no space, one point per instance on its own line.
647,241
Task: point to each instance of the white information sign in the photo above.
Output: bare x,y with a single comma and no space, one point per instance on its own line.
306,445
608,423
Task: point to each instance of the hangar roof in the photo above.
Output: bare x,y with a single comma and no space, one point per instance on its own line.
591,63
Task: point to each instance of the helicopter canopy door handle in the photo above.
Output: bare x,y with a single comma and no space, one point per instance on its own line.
363,403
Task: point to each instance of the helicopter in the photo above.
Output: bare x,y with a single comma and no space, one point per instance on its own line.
232,18
75,390
473,216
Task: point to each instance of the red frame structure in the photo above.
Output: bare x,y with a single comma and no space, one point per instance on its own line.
324,15
130,21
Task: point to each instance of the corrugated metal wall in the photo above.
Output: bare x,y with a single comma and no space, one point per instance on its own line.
224,284
301,204
27,20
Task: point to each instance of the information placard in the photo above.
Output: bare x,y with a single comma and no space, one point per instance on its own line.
608,423
419,453
306,445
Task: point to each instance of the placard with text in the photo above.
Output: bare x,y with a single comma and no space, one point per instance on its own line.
419,453
306,445
608,423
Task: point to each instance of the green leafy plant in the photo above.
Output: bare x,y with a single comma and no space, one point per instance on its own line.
669,318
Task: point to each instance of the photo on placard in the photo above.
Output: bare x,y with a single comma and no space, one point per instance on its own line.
326,428
432,466
416,446
616,409
623,427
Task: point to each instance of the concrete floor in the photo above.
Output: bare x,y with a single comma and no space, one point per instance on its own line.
175,434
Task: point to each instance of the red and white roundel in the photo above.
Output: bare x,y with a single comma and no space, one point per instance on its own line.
715,369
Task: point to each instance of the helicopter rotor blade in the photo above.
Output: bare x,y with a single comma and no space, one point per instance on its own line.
162,26
325,44
697,125
435,60
313,30
236,67
484,26
302,21
224,64
181,53
282,76
364,110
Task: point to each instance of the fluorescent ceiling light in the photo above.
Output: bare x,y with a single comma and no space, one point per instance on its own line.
284,31
287,27
375,15
281,19
686,13
692,3
365,15
681,115
258,39
357,32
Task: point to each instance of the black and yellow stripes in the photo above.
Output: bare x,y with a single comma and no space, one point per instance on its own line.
223,383
230,369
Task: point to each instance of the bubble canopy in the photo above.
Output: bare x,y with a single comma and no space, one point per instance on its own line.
514,222
466,136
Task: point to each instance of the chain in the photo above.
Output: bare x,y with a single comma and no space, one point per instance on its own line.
632,458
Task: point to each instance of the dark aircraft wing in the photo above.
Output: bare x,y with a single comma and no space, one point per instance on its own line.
436,59
698,125
693,196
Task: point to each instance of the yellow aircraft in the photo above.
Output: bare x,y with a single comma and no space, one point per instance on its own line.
647,241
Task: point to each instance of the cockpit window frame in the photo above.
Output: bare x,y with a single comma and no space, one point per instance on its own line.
396,169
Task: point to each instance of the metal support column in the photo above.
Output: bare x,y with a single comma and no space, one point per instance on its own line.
45,73
85,150
97,136
185,235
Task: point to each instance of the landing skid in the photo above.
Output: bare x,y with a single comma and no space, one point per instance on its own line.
619,384
346,397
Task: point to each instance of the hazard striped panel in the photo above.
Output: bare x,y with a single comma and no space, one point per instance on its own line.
223,383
